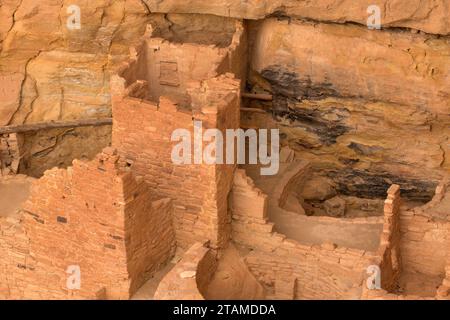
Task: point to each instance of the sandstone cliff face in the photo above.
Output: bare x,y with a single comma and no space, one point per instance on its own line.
368,108
49,72
59,73
306,60
428,16
362,146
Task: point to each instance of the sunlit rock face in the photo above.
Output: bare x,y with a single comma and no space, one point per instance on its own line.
428,16
306,60
367,108
368,105
51,72
363,113
365,146
61,73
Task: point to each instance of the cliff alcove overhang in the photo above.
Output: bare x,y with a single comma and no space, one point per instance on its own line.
364,128
347,110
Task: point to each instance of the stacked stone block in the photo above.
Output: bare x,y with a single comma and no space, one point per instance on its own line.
94,216
389,250
286,267
10,153
142,134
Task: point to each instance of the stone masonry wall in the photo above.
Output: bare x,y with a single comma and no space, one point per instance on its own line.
415,242
424,243
94,215
389,249
168,68
287,268
10,153
171,67
142,133
16,265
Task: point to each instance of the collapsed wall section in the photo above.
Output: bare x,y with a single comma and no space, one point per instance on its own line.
11,152
94,217
189,279
389,249
414,250
288,269
167,64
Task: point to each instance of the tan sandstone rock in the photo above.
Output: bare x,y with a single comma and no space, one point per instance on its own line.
62,73
319,59
429,16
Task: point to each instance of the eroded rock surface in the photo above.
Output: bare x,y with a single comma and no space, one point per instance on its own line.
60,73
362,114
303,60
429,16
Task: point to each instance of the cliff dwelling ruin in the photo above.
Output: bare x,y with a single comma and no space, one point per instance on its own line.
359,207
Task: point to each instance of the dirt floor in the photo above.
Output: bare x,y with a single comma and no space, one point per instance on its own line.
14,191
148,290
419,284
233,280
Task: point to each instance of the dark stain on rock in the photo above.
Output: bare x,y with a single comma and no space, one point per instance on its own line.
365,184
305,144
363,149
348,161
288,89
314,121
280,14
61,219
288,84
